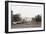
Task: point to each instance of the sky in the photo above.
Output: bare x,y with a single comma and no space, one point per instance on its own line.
27,10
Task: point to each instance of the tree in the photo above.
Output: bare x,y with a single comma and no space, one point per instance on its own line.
16,17
38,18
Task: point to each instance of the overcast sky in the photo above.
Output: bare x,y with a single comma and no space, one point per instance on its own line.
27,10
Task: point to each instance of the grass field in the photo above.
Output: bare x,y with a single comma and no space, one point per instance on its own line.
32,25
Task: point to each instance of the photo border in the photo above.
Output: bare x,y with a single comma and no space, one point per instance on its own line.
6,16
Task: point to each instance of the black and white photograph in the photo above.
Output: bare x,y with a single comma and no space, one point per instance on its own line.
25,16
